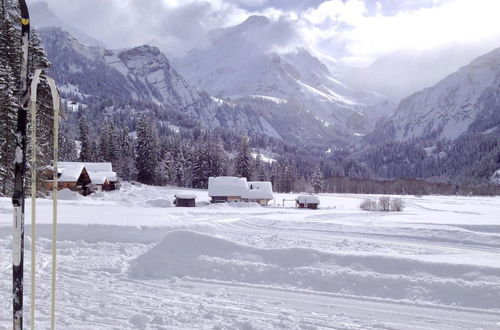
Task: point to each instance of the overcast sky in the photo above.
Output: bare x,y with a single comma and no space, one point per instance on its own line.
354,31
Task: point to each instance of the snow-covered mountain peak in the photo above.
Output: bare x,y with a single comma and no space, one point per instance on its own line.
252,25
242,61
465,101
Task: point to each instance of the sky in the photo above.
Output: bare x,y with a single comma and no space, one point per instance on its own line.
356,32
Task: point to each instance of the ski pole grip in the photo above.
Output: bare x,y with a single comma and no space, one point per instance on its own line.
17,198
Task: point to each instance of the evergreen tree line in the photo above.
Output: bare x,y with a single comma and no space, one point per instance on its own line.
147,157
189,157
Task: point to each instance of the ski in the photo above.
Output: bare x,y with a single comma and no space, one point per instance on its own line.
19,175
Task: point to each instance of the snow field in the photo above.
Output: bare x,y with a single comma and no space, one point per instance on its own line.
127,260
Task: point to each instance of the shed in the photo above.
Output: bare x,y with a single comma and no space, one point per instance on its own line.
307,201
185,200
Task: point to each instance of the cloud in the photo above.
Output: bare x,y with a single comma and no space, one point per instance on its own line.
355,31
368,32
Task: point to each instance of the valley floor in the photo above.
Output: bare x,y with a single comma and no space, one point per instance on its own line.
127,260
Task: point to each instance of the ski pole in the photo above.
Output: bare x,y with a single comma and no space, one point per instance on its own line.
56,105
18,198
33,96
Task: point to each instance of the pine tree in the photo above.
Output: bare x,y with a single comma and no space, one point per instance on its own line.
107,145
243,160
201,164
126,166
67,147
86,144
9,67
260,174
147,151
288,177
317,180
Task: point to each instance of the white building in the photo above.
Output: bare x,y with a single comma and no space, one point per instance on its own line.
232,189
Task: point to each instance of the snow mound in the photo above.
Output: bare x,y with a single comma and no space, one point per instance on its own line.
158,203
195,255
68,195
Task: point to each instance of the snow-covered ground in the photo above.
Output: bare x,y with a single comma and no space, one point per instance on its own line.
128,260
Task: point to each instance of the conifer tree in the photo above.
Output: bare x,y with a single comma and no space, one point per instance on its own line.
67,147
317,180
147,157
260,174
243,160
9,59
86,144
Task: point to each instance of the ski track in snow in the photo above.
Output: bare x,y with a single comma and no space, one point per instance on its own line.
128,261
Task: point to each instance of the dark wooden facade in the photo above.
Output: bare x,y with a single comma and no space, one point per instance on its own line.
185,202
312,206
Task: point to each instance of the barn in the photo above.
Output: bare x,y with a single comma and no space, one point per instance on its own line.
233,189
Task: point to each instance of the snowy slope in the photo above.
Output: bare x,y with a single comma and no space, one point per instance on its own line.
404,73
129,260
145,74
239,63
465,101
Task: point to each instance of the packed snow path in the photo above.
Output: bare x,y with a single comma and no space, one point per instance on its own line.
129,261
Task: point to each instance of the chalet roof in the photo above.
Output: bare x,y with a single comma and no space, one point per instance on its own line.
259,190
70,172
98,177
308,199
99,173
227,186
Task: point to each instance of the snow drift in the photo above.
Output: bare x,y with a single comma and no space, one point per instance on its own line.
200,256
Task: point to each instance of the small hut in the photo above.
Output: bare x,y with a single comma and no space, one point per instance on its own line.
185,200
307,201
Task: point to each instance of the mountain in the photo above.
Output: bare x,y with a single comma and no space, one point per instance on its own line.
467,101
87,74
401,74
42,16
242,61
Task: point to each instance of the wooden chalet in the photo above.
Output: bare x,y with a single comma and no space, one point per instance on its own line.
83,177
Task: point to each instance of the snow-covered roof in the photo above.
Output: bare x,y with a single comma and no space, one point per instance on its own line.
98,177
99,172
91,167
227,186
185,196
308,199
70,172
259,190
